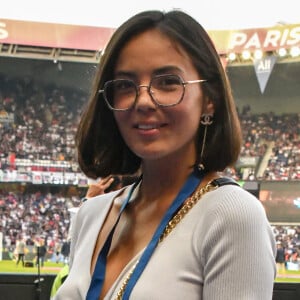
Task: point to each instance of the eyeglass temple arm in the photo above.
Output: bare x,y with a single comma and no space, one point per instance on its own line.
195,81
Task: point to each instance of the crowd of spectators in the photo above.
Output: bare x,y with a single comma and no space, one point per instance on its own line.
288,237
267,131
284,162
35,216
43,123
279,132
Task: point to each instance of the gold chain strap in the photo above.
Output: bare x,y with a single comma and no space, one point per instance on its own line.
189,204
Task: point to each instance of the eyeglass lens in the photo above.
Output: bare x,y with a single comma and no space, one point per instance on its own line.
165,90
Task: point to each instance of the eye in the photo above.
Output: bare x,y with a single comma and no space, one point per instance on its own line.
123,86
166,82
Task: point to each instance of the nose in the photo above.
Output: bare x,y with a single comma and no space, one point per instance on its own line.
144,98
146,87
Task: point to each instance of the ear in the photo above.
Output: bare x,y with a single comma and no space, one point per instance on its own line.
208,107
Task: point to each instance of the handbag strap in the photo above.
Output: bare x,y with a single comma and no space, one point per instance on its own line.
224,181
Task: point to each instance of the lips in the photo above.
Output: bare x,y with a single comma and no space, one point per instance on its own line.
147,126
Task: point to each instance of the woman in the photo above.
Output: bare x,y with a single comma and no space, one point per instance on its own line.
162,106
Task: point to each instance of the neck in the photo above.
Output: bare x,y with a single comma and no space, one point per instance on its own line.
161,183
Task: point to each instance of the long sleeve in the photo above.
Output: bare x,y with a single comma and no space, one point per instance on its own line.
238,248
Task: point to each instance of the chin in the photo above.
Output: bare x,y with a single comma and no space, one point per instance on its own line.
150,154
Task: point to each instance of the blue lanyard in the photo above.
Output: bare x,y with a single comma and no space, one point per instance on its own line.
99,273
100,267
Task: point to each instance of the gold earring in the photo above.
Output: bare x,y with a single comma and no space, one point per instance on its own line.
206,120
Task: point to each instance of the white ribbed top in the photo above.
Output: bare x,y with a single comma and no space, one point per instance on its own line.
224,248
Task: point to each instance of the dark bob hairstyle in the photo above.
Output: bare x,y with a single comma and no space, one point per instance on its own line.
101,149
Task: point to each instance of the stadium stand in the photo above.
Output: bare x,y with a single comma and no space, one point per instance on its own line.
40,136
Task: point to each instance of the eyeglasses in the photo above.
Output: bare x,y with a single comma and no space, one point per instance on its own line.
165,91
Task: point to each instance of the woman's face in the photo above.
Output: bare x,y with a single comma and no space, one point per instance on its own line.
150,131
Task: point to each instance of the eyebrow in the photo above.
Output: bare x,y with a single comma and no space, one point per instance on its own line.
159,71
125,74
167,70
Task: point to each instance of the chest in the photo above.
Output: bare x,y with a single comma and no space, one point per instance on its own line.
172,272
131,235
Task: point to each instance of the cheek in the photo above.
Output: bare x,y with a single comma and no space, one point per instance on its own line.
185,124
189,112
188,121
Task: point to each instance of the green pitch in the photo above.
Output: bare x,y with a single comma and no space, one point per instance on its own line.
288,276
9,266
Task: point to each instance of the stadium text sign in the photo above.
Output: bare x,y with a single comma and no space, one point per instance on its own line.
267,40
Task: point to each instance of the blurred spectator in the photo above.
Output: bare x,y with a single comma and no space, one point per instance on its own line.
65,251
41,251
20,251
280,259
